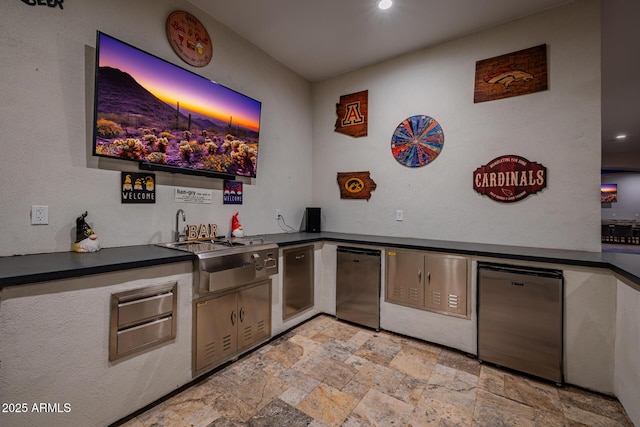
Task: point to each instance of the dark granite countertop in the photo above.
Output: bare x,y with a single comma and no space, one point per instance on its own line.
23,269
626,265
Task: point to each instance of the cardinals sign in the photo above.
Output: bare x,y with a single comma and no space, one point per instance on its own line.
509,178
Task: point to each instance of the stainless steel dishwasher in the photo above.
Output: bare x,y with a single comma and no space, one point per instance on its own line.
520,319
358,286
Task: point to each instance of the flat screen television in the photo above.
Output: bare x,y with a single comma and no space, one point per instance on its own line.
608,193
167,118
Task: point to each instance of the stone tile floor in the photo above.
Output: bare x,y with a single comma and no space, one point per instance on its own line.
327,373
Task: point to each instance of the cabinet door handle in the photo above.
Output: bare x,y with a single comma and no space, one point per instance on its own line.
419,275
242,314
233,317
429,276
299,256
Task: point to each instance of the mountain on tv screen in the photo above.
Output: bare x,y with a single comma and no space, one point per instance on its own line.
158,114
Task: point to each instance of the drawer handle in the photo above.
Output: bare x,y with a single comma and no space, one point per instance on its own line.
270,263
299,256
126,302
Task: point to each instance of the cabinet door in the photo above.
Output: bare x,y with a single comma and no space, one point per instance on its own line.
405,274
254,315
216,330
297,290
446,283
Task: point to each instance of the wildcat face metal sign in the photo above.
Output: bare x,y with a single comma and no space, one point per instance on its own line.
509,178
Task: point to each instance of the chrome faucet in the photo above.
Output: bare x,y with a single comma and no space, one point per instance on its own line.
177,233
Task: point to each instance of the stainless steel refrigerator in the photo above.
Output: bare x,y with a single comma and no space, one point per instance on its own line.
520,319
358,286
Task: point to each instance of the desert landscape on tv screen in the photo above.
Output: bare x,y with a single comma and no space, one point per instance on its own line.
149,110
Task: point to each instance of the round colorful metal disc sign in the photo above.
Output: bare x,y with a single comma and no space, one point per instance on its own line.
417,141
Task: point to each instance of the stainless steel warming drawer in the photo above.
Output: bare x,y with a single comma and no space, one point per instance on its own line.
520,319
141,307
142,318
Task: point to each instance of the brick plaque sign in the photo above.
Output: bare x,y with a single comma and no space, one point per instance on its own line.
513,74
509,178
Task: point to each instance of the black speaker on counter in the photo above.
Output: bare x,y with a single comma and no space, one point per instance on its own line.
312,220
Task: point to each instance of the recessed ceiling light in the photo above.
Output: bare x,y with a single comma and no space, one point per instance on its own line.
621,136
384,4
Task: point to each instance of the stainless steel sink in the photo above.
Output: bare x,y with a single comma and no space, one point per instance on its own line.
193,247
199,247
227,263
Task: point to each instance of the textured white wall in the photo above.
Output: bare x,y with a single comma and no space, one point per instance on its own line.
589,328
46,114
46,118
55,349
627,363
559,128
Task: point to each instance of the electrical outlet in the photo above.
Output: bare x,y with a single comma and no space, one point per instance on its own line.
278,214
39,215
399,215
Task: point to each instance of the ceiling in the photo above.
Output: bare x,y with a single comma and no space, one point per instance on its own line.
322,39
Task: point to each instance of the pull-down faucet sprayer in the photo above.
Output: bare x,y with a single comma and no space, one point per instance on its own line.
177,233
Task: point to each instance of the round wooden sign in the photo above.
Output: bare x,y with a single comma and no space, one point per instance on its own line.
189,39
